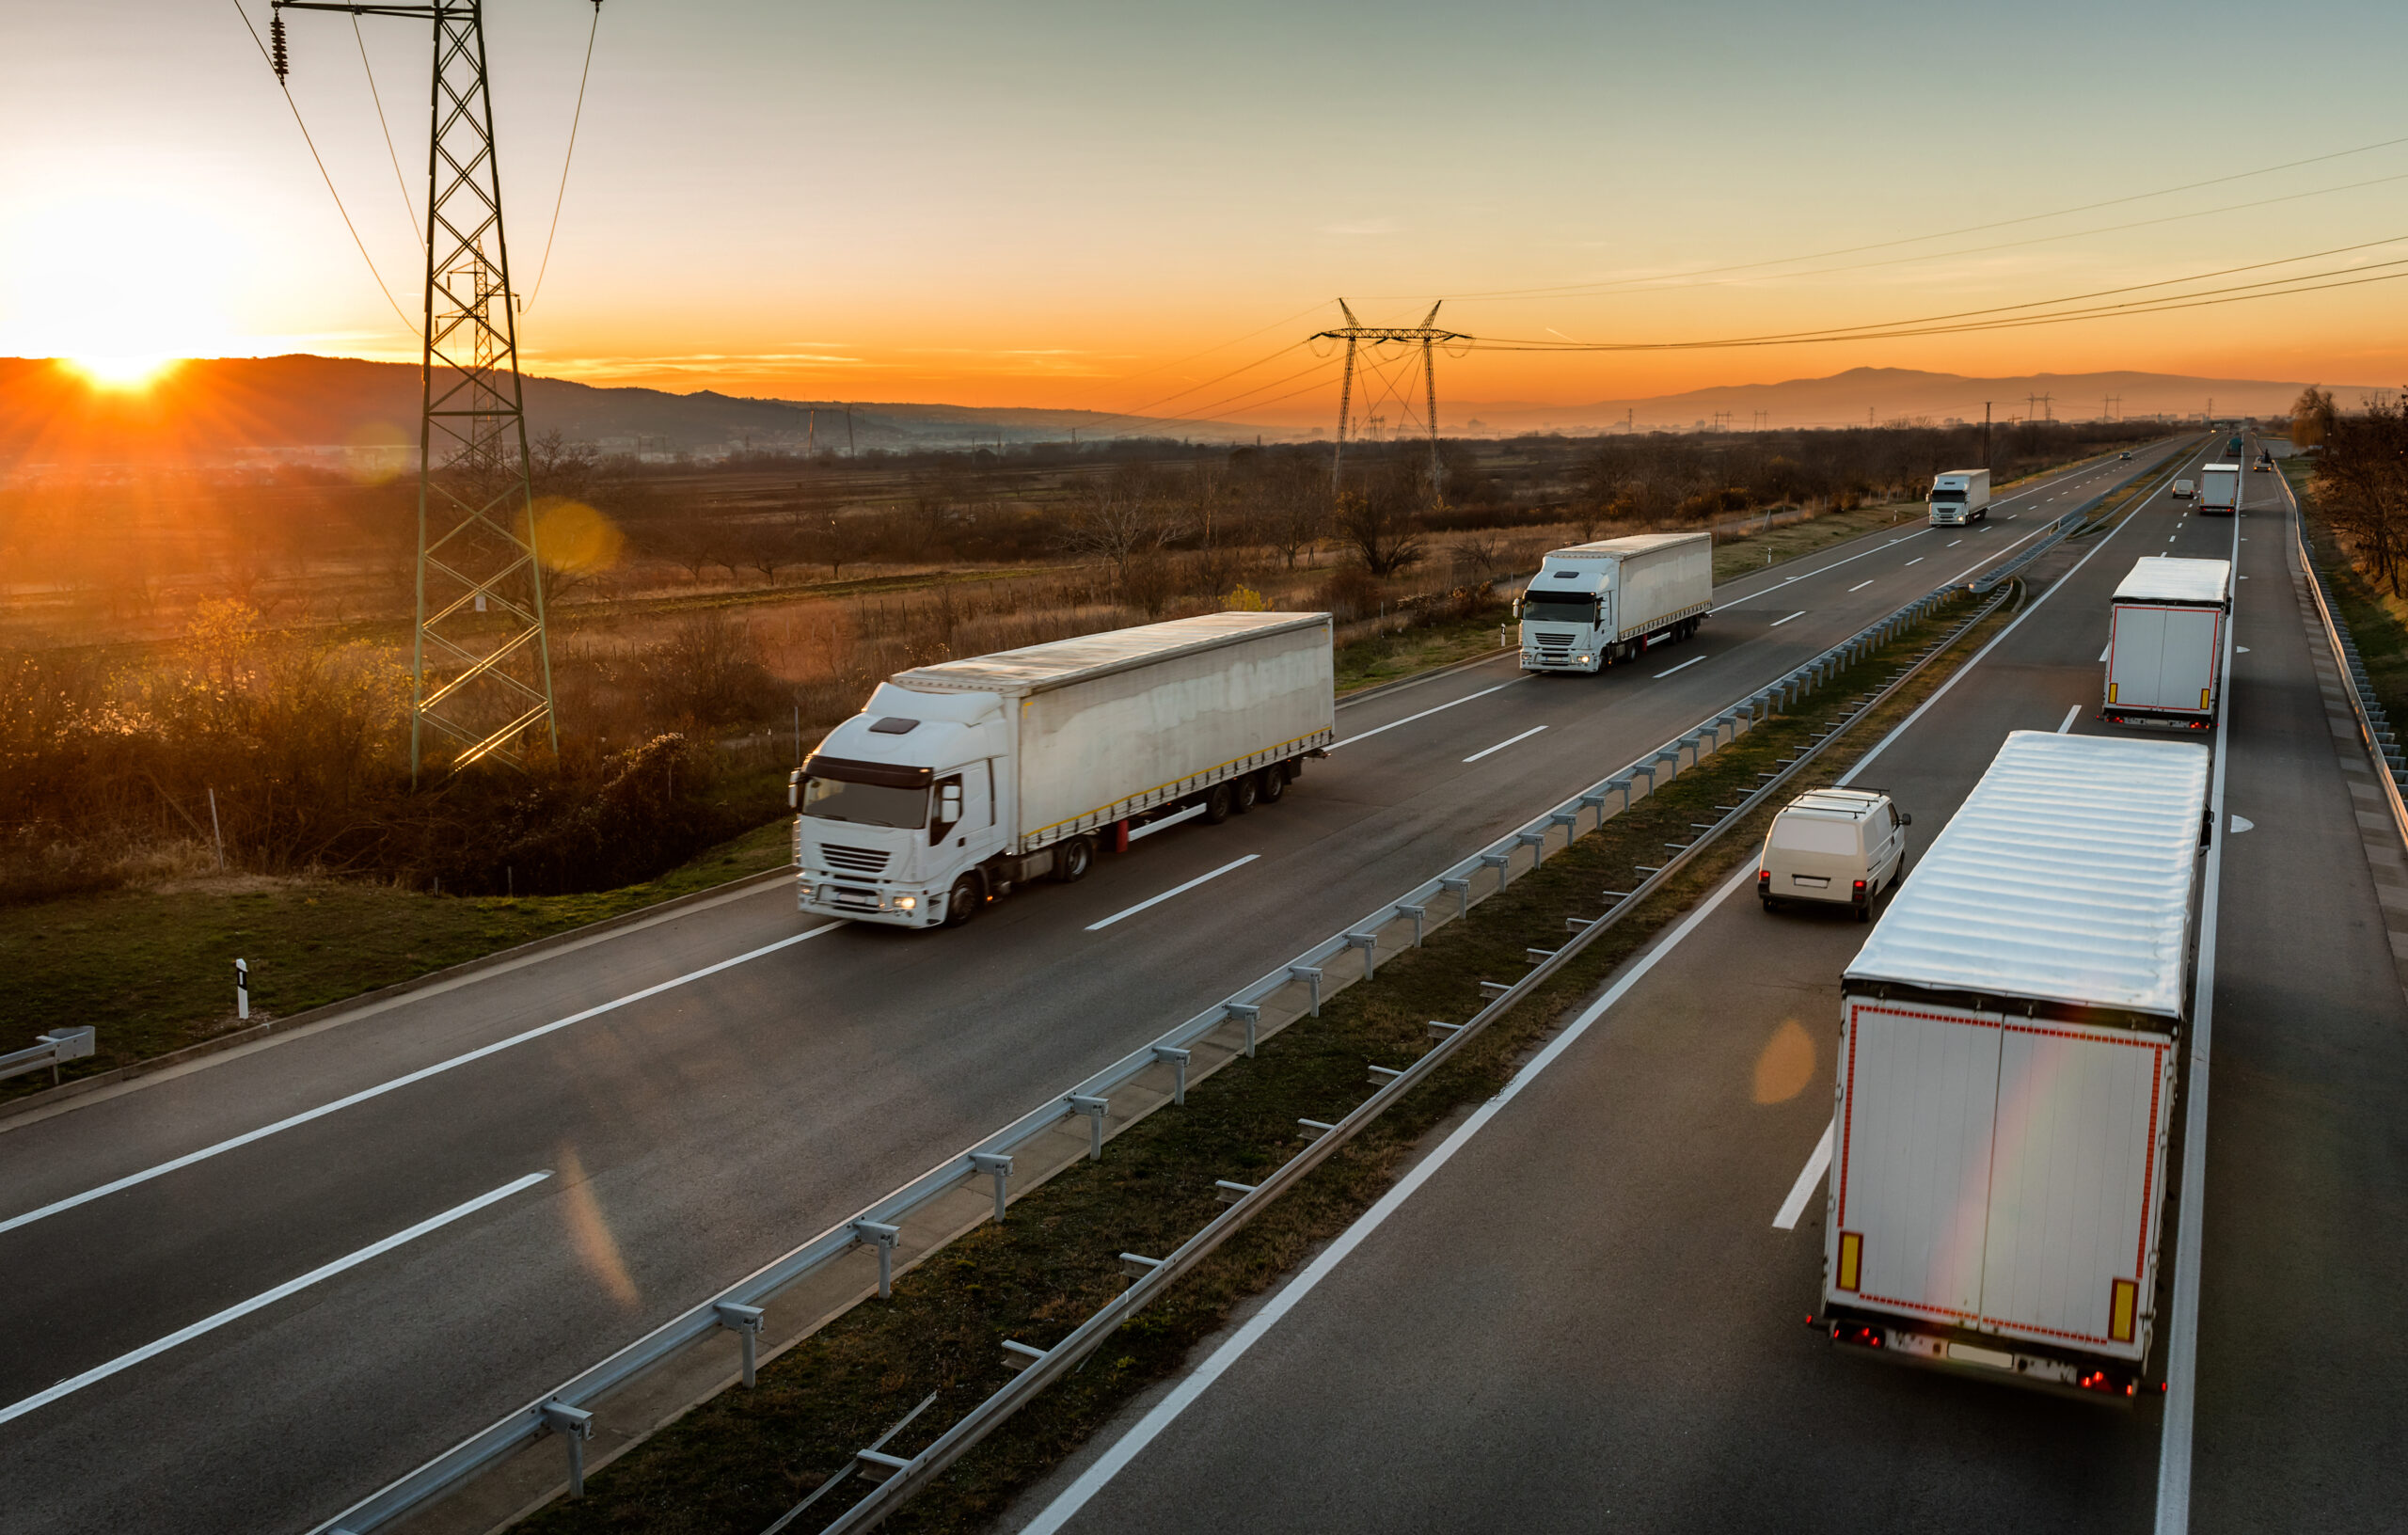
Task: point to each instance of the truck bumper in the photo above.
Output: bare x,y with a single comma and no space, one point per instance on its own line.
1577,662
2159,718
2007,1361
826,897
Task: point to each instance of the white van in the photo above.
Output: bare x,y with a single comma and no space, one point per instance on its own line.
1836,847
2184,490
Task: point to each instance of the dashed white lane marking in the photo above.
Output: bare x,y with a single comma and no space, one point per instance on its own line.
1682,666
1859,586
1916,561
1511,740
1175,890
1774,625
2066,724
265,1298
1809,1177
1424,714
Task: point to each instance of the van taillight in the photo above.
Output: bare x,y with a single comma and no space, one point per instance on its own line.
1764,878
1860,890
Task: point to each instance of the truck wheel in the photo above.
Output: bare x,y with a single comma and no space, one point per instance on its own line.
962,904
1275,784
1218,801
1072,859
1243,792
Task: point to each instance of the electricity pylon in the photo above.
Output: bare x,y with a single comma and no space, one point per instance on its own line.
1426,335
481,666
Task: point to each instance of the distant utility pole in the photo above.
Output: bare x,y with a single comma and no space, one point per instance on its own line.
1358,335
1630,420
480,668
1986,433
849,431
811,435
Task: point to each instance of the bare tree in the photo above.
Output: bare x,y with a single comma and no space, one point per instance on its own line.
1382,517
2312,417
1120,516
2361,484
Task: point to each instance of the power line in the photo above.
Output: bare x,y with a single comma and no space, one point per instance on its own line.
575,117
399,179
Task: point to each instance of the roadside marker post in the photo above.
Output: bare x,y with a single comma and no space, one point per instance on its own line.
242,990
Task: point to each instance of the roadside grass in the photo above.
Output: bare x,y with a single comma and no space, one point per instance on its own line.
152,969
734,1463
1744,553
1388,657
2377,620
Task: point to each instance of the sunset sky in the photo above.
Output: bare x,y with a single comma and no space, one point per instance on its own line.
1057,204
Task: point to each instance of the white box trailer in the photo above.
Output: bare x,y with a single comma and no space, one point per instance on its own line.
2165,644
1591,605
2219,489
1959,497
961,780
2008,1072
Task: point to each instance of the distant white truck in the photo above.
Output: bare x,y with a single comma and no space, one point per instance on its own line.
2165,644
958,783
1595,604
2219,489
2008,1041
1959,497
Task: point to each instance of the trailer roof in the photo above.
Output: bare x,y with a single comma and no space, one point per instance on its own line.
1959,474
2065,878
2161,578
1035,668
2210,468
1609,549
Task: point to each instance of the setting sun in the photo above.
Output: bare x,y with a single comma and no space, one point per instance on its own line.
137,370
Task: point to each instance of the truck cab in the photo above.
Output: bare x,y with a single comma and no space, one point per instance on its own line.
898,809
1567,616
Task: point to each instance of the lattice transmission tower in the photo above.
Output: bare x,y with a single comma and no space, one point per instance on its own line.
480,668
1424,339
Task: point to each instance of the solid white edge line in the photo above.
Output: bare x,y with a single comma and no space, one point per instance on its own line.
1778,621
265,1298
1126,1449
1817,1165
1175,890
1503,744
1423,715
2183,1339
406,1078
2066,724
1682,666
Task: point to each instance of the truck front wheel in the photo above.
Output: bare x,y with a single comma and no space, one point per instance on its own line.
962,904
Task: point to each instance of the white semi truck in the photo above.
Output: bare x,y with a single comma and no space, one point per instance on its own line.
1595,604
2165,644
960,782
1959,497
2219,489
2008,1039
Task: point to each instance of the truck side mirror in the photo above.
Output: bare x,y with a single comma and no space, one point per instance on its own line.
1518,608
794,789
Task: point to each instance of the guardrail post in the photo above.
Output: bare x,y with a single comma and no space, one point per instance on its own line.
999,1166
1459,886
1536,842
1176,1061
575,1425
1095,1109
1250,1015
1370,944
884,1240
745,1322
1311,975
1595,800
1418,914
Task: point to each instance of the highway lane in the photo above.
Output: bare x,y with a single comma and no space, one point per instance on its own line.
1585,1317
696,1132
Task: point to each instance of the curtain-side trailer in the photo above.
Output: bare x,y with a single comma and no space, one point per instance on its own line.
2165,644
2008,1044
961,780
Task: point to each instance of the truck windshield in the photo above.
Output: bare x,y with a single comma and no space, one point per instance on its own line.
864,804
1947,493
1560,608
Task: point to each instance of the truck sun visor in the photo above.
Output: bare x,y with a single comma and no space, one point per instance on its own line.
885,775
894,724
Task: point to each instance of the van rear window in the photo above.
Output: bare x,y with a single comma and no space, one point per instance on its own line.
1808,834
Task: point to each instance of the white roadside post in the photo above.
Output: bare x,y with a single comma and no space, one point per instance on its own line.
242,988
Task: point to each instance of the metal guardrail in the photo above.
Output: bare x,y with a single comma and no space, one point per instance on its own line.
2374,724
49,1050
567,1408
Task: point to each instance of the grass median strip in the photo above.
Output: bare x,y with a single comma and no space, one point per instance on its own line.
741,1460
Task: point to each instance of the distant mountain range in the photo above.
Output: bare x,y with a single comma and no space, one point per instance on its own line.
1885,394
232,408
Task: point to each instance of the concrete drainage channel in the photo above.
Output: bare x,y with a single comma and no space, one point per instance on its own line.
507,1470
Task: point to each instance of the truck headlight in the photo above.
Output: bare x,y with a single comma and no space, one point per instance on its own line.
907,903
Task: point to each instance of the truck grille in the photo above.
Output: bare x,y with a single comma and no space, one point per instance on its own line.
1555,645
854,860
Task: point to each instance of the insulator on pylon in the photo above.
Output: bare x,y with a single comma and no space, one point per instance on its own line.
275,45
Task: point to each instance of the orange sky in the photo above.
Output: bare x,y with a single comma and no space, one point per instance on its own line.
1064,205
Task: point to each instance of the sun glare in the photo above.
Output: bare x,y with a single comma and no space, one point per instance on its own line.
136,371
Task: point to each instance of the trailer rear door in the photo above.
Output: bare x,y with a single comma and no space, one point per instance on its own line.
2164,657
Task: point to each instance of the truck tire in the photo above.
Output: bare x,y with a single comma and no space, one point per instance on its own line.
964,900
1244,793
1274,784
1218,801
1072,859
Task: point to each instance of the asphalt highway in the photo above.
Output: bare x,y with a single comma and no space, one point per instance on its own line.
246,1293
1579,1313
